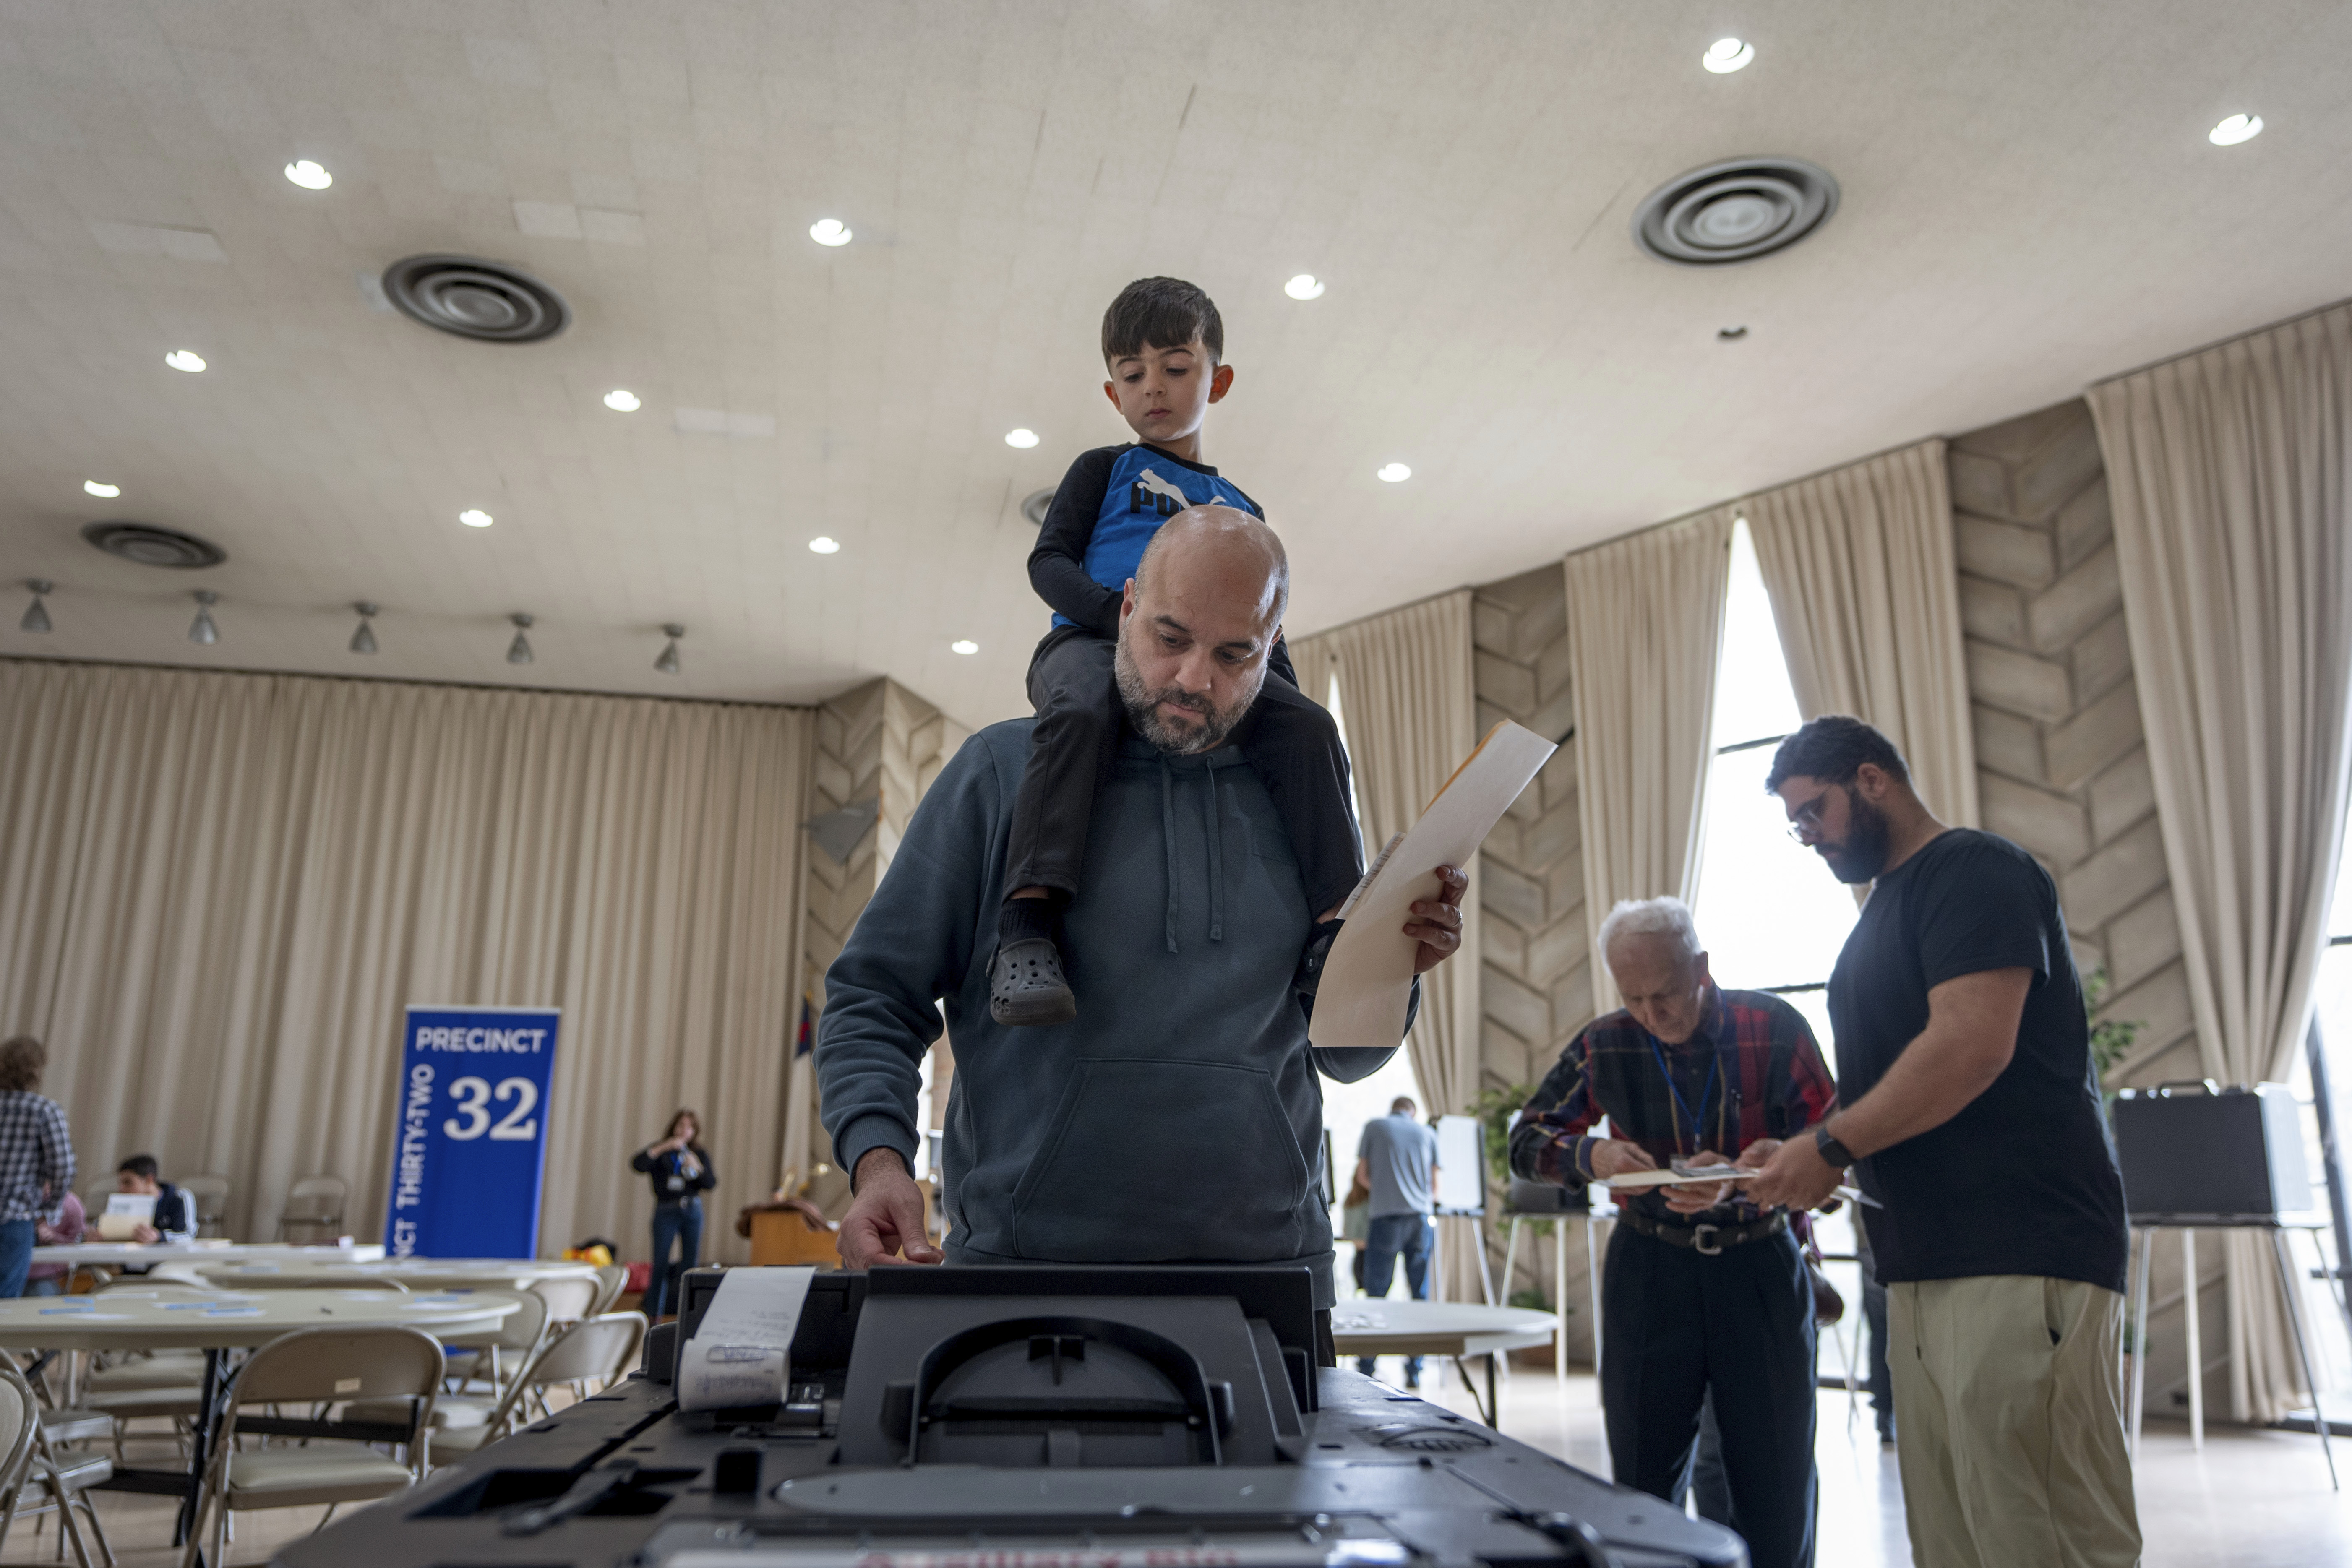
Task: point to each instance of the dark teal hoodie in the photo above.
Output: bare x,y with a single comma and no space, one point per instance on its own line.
1176,1118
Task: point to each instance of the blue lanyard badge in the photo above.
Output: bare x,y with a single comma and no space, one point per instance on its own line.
1682,1113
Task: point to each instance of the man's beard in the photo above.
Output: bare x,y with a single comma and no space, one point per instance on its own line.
1862,855
1143,709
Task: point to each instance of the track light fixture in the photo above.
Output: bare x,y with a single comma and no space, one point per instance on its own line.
36,614
201,628
364,640
519,651
667,662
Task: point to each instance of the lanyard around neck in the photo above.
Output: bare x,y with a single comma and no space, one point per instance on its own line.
1682,1110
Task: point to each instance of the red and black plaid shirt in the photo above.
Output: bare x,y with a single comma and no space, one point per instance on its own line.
1772,1083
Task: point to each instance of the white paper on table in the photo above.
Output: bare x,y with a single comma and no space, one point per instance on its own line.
741,1350
1367,984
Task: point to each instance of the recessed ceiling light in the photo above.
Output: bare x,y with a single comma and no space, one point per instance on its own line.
1306,286
1023,439
829,231
1728,55
475,517
107,492
185,360
621,400
964,645
2236,128
825,546
1396,473
309,175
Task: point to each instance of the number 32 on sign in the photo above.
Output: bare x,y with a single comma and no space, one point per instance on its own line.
470,1142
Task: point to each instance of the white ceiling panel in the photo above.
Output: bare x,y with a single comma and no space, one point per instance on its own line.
2029,203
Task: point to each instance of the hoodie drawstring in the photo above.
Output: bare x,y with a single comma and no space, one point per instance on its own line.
1217,861
1168,841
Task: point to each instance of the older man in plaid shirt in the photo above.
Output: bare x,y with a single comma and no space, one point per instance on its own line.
37,1162
1703,1294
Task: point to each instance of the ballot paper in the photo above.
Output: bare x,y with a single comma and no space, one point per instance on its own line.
125,1213
1685,1175
1367,984
741,1351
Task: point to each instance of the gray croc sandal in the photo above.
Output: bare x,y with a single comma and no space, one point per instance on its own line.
1025,988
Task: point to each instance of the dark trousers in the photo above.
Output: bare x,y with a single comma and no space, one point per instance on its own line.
1291,742
678,1223
16,1255
1681,1328
1392,1236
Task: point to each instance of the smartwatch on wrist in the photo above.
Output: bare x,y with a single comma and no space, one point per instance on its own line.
1839,1156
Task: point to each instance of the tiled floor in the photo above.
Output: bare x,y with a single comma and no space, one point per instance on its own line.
2252,1500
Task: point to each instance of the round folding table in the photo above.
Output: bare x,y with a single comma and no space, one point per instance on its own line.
131,1319
1456,1330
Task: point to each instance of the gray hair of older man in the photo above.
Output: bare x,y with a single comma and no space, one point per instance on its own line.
1669,918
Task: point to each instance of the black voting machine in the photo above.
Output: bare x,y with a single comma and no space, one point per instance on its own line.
984,1417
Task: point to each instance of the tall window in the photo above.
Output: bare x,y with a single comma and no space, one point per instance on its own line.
1771,915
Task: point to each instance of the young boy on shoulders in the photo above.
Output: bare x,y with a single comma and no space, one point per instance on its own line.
1164,345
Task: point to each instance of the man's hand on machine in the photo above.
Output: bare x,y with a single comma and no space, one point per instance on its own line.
1437,926
885,1222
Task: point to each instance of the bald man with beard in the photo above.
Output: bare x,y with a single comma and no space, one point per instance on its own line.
1177,1118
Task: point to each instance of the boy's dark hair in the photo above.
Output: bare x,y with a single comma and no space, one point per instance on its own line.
1162,313
143,1167
1832,748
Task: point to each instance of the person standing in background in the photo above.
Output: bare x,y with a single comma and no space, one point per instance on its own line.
680,1168
1397,1159
37,1162
1973,1115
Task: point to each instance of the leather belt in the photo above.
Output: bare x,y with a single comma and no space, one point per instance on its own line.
1705,1240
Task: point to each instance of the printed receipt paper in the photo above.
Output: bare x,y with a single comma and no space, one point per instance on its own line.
1367,983
741,1351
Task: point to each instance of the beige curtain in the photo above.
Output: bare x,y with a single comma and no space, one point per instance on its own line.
1405,687
1645,627
2229,471
220,891
1864,587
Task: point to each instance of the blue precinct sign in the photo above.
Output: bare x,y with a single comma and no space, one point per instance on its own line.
469,1147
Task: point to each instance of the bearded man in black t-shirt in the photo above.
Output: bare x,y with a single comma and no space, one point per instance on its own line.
1971,1112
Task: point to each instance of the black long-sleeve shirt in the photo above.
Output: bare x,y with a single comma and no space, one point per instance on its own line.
672,1184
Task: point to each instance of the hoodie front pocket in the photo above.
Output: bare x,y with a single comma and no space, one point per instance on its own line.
1163,1162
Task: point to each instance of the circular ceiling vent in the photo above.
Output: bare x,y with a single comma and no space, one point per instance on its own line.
1435,1441
1035,507
470,297
152,546
1736,211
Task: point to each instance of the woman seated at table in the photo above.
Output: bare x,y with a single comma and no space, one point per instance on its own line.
63,1228
680,1168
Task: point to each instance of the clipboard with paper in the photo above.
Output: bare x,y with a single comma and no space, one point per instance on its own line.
1367,984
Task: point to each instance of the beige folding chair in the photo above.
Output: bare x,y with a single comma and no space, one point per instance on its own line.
314,1210
520,1335
595,1350
613,1279
36,1458
568,1300
320,1367
209,1197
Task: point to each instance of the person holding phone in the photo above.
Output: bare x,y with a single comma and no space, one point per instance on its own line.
680,1168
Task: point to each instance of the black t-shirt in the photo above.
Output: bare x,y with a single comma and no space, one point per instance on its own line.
2024,1180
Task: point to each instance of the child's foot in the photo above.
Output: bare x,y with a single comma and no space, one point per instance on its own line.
1025,988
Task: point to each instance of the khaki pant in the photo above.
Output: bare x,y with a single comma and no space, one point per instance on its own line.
2009,1423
